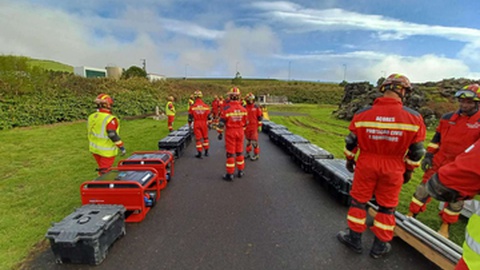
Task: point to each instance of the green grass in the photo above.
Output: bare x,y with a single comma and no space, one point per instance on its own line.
50,65
41,170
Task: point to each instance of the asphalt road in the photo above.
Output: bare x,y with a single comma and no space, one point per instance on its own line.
275,217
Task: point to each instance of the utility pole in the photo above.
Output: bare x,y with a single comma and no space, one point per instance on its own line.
289,69
236,68
144,64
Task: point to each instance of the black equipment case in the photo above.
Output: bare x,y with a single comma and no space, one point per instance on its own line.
306,153
334,177
176,143
85,235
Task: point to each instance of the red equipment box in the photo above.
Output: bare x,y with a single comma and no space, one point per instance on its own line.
162,161
137,189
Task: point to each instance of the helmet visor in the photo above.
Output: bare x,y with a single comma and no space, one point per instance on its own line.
465,94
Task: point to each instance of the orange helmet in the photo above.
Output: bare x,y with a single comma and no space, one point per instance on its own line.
198,94
250,97
396,81
104,101
469,91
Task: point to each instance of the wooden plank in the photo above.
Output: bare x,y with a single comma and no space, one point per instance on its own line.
421,247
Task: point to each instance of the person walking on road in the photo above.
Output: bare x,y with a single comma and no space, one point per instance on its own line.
199,114
455,132
234,120
215,110
104,134
254,118
170,112
459,180
390,139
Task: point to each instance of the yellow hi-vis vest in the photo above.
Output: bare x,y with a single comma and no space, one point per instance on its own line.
471,246
167,109
100,143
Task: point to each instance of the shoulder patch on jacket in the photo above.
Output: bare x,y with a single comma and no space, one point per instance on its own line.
363,110
412,111
447,116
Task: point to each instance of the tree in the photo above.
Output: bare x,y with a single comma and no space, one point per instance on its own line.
238,79
134,71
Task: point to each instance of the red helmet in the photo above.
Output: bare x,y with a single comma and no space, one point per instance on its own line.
469,91
396,81
104,101
234,91
198,94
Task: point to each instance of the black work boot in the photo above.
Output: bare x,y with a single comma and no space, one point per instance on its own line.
351,239
240,174
228,177
247,155
206,153
198,155
379,248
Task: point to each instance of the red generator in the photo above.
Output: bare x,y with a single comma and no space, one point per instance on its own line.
137,189
162,161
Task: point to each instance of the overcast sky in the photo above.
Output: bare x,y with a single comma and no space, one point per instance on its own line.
356,40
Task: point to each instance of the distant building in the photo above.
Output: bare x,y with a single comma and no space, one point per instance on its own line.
267,99
156,77
89,72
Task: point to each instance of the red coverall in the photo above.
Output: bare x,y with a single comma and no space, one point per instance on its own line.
384,133
454,134
254,118
234,118
199,113
463,176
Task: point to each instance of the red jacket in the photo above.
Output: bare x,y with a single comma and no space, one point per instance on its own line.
215,104
234,115
254,116
199,112
388,129
463,175
454,134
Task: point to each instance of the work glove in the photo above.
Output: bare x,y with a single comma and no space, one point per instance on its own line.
220,136
407,175
123,151
350,165
427,162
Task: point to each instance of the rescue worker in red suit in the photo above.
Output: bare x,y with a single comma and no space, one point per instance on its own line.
455,132
234,120
390,139
199,114
170,112
215,107
254,118
104,134
459,180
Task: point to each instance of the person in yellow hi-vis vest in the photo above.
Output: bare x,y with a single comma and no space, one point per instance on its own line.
104,134
170,112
